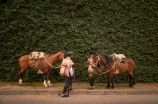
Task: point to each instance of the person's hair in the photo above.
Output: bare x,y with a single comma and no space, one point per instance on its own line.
65,55
69,54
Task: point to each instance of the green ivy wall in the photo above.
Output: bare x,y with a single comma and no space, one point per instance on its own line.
129,27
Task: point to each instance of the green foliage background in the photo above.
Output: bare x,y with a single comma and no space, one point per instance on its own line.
129,27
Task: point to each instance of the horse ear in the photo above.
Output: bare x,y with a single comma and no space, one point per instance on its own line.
63,51
97,54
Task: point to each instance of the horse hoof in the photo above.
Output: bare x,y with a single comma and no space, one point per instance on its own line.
49,85
20,84
130,86
112,88
107,87
45,85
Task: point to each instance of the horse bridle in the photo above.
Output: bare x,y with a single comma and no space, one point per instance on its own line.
98,61
63,55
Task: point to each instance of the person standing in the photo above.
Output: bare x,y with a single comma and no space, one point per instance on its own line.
91,71
67,70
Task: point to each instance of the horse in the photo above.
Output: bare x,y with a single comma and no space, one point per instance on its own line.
47,64
110,67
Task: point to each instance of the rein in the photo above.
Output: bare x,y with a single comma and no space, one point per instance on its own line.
106,71
51,65
101,68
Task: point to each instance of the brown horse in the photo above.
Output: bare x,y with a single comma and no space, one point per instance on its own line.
110,67
47,65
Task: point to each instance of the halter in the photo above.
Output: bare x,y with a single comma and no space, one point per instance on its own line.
98,61
63,55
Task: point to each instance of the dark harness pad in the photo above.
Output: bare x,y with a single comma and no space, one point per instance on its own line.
123,60
109,60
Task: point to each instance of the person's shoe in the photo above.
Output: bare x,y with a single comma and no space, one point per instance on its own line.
64,95
40,72
90,87
93,87
116,72
70,89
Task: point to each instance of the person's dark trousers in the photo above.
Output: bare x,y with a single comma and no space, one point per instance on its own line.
68,82
70,86
91,80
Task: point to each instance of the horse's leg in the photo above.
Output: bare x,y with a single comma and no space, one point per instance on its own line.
112,80
128,76
20,74
48,78
131,79
127,73
134,77
45,80
108,85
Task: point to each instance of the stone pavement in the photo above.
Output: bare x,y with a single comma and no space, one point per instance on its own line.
36,88
77,92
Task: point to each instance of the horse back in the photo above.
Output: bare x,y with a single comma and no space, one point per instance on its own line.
130,62
23,61
24,58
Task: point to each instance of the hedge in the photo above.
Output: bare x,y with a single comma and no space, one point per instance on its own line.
81,26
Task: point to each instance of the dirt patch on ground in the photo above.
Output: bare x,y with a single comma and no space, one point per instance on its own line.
76,86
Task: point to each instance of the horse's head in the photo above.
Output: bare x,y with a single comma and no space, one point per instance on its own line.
96,58
62,56
96,61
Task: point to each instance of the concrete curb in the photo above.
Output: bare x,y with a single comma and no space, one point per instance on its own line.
77,92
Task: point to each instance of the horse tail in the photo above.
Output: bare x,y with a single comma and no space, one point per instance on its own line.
134,76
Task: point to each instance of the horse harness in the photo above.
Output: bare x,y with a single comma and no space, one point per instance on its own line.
99,69
39,56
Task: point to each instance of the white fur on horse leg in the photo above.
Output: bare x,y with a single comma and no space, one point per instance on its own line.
45,83
20,82
49,84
